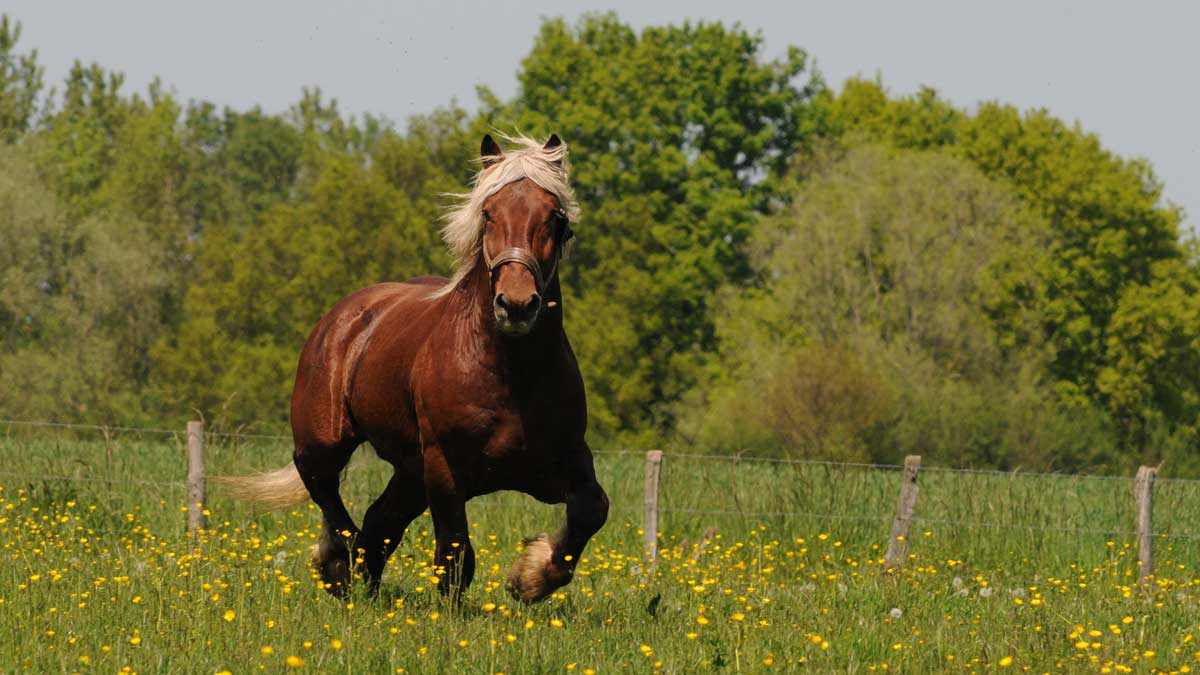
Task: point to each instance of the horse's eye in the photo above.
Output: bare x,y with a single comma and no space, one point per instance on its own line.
487,217
562,225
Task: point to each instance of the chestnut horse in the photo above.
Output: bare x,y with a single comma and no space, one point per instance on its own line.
465,386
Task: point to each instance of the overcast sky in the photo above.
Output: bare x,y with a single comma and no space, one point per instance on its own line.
1126,71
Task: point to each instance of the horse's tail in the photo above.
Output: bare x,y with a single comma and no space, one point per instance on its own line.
272,490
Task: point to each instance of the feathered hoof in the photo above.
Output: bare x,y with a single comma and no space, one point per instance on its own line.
532,576
334,569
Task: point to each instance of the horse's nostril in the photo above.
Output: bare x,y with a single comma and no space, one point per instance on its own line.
519,311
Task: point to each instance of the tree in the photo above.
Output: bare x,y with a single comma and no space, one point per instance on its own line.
262,289
20,83
872,336
1110,231
80,307
1149,377
677,137
75,150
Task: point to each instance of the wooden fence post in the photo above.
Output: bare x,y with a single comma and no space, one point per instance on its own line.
196,478
1143,492
650,527
897,552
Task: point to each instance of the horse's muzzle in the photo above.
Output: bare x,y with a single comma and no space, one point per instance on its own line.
516,318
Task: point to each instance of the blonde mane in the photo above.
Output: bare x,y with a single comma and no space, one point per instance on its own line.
463,231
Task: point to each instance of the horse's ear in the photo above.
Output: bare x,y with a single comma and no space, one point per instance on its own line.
553,142
489,151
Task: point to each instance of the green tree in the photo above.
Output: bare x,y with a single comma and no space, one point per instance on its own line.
873,336
20,83
80,307
1109,228
76,148
262,289
1152,356
677,136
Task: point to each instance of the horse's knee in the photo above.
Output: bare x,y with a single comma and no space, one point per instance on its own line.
591,509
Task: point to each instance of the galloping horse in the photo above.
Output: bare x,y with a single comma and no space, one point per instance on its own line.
465,386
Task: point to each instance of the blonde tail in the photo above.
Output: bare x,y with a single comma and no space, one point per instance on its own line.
268,491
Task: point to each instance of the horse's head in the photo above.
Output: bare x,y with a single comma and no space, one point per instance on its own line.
525,231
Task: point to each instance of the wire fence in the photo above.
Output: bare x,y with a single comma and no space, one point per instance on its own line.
880,517
735,458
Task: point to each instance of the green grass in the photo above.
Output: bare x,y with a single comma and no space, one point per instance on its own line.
91,567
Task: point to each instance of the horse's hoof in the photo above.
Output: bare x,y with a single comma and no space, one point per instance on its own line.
334,570
532,577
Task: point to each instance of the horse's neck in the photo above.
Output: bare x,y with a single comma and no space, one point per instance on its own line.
477,318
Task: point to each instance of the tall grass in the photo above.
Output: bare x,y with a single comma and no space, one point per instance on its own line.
796,557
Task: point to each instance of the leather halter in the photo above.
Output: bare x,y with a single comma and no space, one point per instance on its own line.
522,256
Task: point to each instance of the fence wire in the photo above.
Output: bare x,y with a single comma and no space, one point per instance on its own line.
668,456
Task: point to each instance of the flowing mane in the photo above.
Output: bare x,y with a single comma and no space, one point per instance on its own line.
463,231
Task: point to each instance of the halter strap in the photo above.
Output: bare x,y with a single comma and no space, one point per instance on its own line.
522,256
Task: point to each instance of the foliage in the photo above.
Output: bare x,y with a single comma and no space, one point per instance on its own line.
82,303
20,83
874,337
677,136
762,265
1110,231
259,293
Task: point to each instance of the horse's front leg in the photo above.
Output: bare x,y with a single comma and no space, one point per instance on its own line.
548,563
454,558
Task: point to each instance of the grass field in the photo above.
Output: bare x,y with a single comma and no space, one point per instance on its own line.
1006,573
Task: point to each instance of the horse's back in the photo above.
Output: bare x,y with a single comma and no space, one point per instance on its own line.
333,353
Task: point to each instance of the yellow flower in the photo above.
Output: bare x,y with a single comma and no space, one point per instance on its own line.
135,640
335,643
489,606
738,616
702,621
229,615
557,623
295,661
1127,620
268,650
1006,661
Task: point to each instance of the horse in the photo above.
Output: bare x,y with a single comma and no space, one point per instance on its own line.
466,386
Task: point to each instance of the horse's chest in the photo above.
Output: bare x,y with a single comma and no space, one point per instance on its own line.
503,429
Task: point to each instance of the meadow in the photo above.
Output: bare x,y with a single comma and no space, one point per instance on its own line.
1005,572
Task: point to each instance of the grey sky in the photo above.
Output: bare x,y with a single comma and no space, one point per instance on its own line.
1126,71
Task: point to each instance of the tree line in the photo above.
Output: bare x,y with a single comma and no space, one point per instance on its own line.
766,263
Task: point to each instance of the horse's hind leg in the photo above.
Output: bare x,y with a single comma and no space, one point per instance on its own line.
320,468
402,500
548,563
